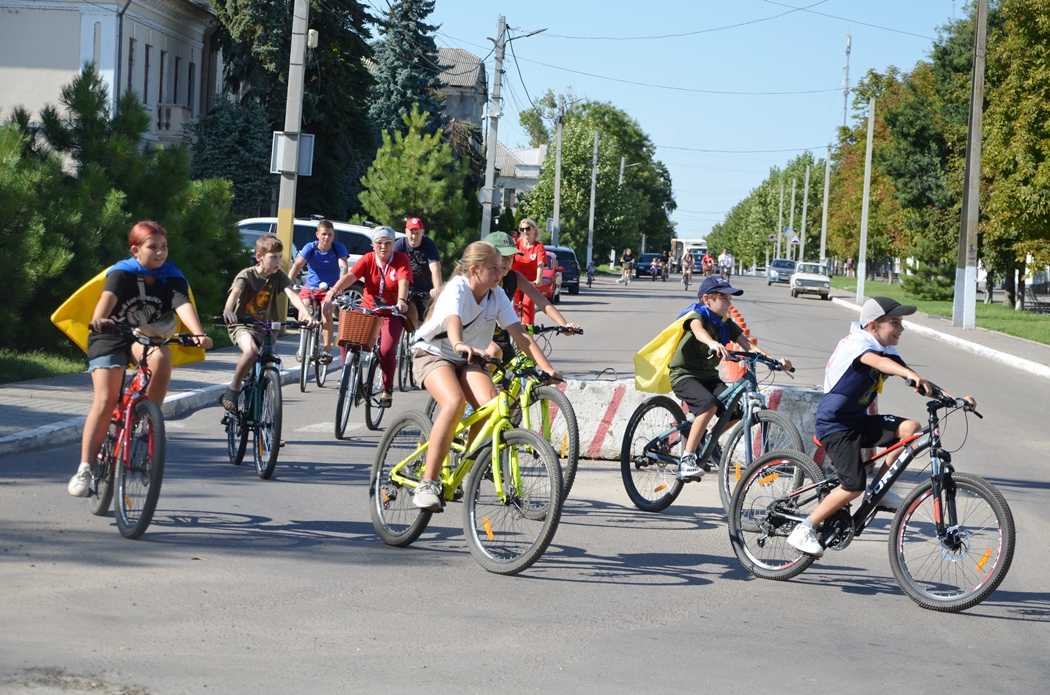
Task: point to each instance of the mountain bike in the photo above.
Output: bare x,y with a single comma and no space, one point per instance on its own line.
512,497
358,333
311,353
655,437
259,404
131,458
950,543
406,381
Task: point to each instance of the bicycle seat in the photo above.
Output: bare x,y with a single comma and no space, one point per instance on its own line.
817,442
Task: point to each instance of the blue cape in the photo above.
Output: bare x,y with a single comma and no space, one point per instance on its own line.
131,265
712,318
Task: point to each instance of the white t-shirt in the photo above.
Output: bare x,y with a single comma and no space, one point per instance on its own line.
479,320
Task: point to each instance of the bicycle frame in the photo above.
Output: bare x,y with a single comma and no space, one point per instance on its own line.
124,410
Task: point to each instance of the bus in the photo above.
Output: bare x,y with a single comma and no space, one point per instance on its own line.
680,247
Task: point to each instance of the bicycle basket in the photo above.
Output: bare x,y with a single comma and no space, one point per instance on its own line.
358,330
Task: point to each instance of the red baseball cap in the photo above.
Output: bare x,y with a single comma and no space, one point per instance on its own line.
413,223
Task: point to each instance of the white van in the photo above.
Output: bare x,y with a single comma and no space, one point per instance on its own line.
355,237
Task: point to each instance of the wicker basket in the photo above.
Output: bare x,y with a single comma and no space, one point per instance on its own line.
357,330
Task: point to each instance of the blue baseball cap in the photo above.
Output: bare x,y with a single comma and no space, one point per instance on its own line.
718,284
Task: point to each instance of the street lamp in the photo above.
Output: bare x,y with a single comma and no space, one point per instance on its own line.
624,165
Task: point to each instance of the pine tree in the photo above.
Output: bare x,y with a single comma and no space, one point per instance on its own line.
407,69
233,142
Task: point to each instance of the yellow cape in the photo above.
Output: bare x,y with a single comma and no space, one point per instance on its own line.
73,317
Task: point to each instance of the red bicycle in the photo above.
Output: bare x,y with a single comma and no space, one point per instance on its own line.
131,458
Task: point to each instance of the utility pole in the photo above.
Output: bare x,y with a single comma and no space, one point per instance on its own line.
557,176
805,208
964,305
495,109
293,120
594,184
791,216
863,254
623,161
780,217
845,81
824,211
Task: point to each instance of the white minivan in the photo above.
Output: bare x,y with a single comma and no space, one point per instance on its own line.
355,237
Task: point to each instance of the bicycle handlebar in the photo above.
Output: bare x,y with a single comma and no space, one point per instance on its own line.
774,365
946,400
271,326
560,330
133,332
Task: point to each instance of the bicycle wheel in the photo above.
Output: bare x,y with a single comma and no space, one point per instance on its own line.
373,389
268,427
236,431
140,475
309,343
320,367
652,484
405,380
551,416
962,569
769,431
508,532
758,530
347,393
395,518
102,473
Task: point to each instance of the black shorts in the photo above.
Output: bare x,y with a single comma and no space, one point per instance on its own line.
844,447
700,396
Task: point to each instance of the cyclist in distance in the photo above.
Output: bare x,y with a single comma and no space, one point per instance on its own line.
386,276
626,266
253,296
687,267
725,263
423,254
854,376
460,326
707,264
325,262
147,291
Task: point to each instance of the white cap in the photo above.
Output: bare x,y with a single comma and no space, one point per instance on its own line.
877,307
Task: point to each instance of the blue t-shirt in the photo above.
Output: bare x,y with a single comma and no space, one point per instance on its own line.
322,266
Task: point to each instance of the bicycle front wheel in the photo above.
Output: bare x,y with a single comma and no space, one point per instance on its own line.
774,485
140,474
395,518
268,426
320,366
551,416
236,432
957,571
309,345
347,392
373,392
768,431
405,381
652,446
509,527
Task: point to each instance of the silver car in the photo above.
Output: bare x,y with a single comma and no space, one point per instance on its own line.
779,270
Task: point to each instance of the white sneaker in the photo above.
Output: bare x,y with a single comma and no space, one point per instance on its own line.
689,469
80,483
803,538
427,496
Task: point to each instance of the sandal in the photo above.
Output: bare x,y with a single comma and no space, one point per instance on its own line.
325,358
228,400
386,400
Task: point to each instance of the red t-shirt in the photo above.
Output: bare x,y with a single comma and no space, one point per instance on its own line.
534,256
368,270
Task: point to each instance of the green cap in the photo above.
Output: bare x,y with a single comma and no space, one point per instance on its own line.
503,243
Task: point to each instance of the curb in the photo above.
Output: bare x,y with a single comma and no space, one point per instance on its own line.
1035,368
66,431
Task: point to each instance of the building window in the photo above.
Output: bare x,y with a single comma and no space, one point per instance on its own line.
160,82
131,63
191,79
175,82
145,78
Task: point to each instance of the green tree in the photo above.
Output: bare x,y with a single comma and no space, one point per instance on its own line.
416,173
406,67
233,142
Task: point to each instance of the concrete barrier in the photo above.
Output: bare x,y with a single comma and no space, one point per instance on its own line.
603,409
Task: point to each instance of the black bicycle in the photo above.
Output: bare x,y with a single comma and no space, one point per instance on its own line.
406,380
950,543
311,352
361,381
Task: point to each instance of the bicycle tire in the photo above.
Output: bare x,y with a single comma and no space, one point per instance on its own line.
382,492
268,428
236,429
747,516
320,367
731,467
347,394
405,380
539,506
662,479
568,445
373,390
902,533
102,472
134,516
309,358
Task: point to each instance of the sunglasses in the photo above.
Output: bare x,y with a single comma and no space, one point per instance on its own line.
524,228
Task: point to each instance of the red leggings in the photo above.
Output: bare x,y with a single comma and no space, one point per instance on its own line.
389,335
525,307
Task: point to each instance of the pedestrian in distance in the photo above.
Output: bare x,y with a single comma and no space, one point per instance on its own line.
529,262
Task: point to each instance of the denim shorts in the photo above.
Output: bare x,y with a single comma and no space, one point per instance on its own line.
110,361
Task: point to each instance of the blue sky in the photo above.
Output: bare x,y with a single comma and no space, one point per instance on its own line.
799,51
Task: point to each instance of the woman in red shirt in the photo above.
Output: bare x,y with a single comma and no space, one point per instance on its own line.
386,276
529,262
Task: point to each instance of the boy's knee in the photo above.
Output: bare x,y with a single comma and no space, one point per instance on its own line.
908,428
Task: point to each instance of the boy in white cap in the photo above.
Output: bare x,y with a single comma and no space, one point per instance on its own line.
854,376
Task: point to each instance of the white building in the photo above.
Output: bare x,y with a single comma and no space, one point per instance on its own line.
158,49
517,171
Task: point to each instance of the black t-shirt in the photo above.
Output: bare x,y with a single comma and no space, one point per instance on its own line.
627,258
141,300
420,258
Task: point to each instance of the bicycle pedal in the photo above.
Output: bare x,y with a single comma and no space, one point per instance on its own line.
281,445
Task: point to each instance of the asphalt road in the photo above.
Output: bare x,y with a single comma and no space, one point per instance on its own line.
250,586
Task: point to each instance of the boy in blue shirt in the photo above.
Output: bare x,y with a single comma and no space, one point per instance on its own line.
325,262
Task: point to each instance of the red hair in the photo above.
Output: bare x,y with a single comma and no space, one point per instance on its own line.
143,230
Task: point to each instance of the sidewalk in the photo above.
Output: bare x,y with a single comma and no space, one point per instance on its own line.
48,412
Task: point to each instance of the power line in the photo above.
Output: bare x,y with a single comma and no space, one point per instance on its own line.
713,151
853,21
518,68
708,30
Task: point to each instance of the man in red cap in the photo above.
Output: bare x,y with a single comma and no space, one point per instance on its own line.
425,259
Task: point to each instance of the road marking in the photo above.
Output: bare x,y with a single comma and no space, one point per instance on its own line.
327,427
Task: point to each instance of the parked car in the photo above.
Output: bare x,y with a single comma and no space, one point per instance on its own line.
356,238
810,278
780,270
551,282
642,265
570,267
